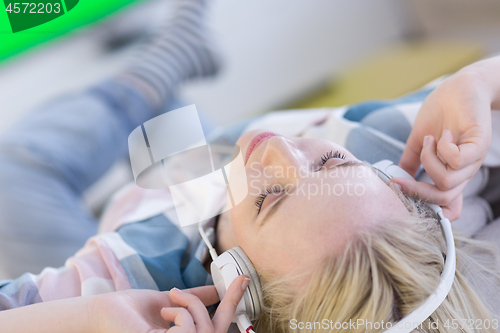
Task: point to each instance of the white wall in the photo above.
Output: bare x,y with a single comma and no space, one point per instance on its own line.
274,51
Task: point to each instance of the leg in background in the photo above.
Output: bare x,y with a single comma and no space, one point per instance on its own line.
49,158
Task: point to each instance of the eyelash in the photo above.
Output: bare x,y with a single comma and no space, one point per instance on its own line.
262,197
278,189
328,156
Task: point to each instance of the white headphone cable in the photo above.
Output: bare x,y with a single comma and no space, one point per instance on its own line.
204,236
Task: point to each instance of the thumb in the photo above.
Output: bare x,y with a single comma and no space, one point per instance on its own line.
446,148
227,308
410,160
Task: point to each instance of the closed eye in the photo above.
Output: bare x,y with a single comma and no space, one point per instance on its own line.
260,199
277,188
329,155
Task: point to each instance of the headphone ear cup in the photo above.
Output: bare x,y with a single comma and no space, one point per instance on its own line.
254,287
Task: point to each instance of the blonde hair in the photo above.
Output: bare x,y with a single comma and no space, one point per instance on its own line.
383,274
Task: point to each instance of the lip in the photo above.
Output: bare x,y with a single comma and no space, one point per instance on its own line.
256,141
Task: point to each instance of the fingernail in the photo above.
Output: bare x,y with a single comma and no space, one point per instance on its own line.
177,289
426,140
447,132
398,186
245,283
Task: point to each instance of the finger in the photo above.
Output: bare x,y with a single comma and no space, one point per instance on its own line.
410,160
447,141
453,211
181,317
196,309
444,177
207,294
225,312
428,192
459,156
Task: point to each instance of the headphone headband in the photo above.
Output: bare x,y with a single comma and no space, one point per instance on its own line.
386,170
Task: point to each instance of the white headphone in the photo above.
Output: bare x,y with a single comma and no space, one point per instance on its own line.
234,262
227,267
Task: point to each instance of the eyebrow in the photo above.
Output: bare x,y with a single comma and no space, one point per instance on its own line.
281,200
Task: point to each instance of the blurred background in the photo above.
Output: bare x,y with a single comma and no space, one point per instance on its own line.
278,54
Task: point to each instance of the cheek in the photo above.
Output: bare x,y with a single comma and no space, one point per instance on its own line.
240,223
246,237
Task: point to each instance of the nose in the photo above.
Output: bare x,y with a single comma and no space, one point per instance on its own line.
281,152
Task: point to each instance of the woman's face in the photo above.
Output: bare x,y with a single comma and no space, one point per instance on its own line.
306,198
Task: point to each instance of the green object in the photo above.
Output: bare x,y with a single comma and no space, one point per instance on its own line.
70,4
26,15
24,25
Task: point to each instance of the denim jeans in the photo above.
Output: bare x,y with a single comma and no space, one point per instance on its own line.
47,161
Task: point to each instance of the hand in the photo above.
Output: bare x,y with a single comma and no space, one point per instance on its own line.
451,137
141,311
192,316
